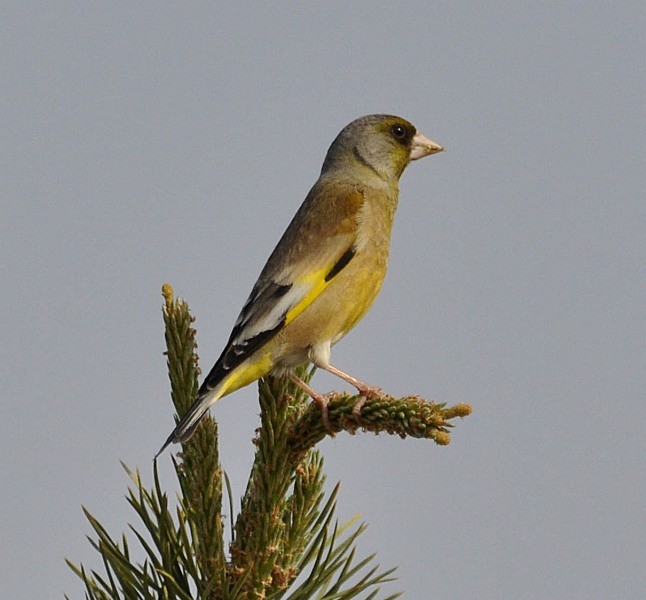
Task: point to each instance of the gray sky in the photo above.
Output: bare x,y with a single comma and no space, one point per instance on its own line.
173,142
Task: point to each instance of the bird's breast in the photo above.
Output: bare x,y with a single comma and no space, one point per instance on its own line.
352,291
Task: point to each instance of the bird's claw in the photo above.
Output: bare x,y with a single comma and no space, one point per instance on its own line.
324,401
366,391
356,409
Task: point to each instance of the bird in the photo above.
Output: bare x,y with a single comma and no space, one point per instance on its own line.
325,272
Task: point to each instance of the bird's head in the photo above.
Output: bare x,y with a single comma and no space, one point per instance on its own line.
384,144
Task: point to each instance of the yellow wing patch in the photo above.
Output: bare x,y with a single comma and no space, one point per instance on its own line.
316,283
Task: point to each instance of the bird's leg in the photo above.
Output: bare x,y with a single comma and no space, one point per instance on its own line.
322,400
365,389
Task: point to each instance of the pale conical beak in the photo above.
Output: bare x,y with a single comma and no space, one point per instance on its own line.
422,147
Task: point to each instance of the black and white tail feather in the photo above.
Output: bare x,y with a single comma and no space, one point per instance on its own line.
257,323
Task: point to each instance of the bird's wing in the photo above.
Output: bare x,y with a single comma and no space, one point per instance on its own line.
313,250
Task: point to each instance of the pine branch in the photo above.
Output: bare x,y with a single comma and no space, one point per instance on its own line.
198,472
409,416
270,531
286,542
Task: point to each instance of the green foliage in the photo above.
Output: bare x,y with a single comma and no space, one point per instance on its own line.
286,542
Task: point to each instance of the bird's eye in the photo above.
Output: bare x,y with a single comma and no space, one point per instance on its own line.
399,131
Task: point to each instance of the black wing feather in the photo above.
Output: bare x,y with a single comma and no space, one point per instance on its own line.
263,296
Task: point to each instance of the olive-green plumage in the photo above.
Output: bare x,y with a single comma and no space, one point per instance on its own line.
325,271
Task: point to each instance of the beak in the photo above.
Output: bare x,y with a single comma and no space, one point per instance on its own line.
422,147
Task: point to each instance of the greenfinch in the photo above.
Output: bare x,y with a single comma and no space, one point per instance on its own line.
325,272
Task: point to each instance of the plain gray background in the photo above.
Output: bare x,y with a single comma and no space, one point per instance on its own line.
153,142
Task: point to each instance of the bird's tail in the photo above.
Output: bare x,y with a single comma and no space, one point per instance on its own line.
187,425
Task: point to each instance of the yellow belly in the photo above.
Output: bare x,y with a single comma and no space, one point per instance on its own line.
333,313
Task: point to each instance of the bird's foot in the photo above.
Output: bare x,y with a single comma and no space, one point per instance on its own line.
356,409
369,391
366,391
323,401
